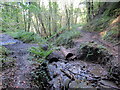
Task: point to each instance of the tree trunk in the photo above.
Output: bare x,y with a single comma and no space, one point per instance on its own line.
42,24
92,10
67,18
88,11
25,24
29,18
50,12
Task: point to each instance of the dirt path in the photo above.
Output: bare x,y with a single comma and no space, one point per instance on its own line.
96,37
86,70
19,75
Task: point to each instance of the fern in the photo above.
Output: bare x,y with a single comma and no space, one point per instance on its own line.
39,54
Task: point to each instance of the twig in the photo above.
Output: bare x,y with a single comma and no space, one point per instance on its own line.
78,73
68,75
110,86
116,44
66,53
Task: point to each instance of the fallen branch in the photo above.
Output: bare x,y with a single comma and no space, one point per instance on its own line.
116,44
68,75
54,56
109,86
67,54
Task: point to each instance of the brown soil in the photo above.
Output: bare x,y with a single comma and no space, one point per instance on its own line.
19,75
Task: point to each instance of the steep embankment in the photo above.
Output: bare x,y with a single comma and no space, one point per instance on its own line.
107,24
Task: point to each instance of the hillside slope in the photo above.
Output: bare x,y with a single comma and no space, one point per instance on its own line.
107,22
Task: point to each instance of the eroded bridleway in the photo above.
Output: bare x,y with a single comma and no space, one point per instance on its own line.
87,36
19,75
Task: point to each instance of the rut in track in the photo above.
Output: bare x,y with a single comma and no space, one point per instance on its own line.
19,75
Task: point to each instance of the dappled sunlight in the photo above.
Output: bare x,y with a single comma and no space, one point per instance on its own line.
59,44
116,20
102,34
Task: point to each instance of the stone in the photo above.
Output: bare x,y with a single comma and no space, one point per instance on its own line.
74,84
66,82
84,85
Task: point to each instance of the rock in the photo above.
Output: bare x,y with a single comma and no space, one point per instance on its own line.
74,84
54,57
56,82
51,69
66,82
84,85
115,73
107,84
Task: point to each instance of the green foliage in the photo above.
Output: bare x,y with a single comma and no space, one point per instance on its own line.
112,10
11,17
102,21
93,52
4,51
116,11
93,45
66,37
112,35
34,9
28,37
40,76
5,61
38,54
36,17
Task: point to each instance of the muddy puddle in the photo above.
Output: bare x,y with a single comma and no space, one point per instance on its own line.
79,74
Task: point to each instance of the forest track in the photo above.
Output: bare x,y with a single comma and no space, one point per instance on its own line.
18,76
96,37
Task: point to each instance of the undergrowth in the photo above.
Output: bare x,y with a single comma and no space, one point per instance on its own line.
5,60
40,76
112,35
27,37
91,51
66,37
103,22
40,53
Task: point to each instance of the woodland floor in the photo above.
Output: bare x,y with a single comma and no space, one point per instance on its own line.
19,77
